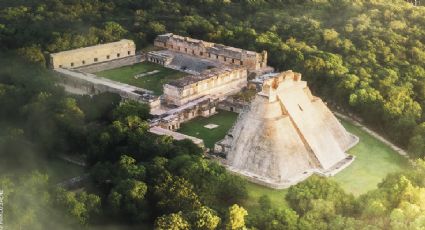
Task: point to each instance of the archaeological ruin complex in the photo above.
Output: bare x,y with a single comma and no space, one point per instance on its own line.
282,137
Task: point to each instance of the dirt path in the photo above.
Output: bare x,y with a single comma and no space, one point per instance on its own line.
399,150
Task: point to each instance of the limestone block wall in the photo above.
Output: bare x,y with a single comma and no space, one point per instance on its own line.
217,52
173,118
94,85
93,54
219,86
117,63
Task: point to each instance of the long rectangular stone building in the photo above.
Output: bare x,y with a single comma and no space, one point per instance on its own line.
251,60
92,54
216,82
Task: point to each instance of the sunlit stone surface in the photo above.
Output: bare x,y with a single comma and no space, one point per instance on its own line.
286,135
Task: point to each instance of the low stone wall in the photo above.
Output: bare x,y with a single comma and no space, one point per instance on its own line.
113,64
93,84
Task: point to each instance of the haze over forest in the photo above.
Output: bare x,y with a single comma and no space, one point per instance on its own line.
365,57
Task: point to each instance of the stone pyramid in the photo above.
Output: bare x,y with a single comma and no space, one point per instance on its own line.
286,135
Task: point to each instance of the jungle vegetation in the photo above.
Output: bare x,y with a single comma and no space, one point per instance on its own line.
366,56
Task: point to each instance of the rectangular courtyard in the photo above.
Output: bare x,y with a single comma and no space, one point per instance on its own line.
196,127
144,75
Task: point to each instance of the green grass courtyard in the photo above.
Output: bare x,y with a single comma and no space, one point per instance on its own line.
374,159
152,82
195,127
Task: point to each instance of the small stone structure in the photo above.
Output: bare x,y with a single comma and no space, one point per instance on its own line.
286,135
93,54
232,105
159,58
172,118
224,54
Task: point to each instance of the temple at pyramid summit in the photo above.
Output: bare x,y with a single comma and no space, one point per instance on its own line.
286,135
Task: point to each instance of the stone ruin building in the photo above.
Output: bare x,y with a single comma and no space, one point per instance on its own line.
286,135
93,54
76,70
224,54
214,72
217,82
219,71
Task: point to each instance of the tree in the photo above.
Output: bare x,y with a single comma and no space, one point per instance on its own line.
173,221
99,107
127,198
236,218
33,54
417,142
176,194
204,219
112,32
131,108
81,206
128,168
319,216
302,196
274,219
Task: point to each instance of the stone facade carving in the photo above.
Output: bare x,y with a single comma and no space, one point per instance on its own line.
92,55
224,54
217,82
172,119
286,135
159,58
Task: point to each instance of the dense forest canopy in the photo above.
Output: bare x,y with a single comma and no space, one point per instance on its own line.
366,56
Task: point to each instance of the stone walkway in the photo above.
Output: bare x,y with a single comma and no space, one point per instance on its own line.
146,74
74,183
399,150
72,160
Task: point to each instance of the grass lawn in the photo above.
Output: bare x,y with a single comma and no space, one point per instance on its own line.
195,127
152,82
255,191
374,160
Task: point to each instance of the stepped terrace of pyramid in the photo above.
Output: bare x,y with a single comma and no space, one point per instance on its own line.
286,135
